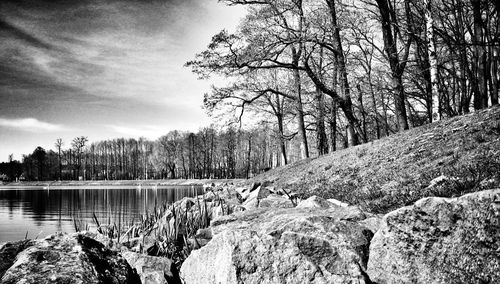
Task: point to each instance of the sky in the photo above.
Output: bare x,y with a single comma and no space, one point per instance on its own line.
102,68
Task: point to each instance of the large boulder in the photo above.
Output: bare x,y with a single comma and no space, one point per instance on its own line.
308,245
64,258
440,240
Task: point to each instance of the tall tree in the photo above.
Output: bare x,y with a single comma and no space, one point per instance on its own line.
59,143
480,84
40,156
78,145
391,33
436,113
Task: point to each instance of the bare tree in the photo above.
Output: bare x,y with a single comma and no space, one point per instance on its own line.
59,143
78,145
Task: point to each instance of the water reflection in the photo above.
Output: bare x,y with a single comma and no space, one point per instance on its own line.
42,212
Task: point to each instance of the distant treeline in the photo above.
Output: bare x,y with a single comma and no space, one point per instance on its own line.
231,153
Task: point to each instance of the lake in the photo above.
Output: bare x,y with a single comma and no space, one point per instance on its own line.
38,212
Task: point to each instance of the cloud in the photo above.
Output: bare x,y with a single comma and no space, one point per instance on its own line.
30,125
24,35
147,131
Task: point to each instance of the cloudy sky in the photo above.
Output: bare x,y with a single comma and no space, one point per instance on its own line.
101,68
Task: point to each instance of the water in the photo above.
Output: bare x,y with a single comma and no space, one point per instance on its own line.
41,212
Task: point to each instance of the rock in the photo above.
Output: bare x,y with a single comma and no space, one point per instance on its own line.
244,195
140,244
230,196
196,243
275,201
240,189
372,222
220,210
266,183
9,251
315,202
255,196
440,240
152,269
440,180
238,208
254,186
337,202
202,237
305,245
68,258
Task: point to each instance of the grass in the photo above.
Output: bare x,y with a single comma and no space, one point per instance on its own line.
167,230
397,170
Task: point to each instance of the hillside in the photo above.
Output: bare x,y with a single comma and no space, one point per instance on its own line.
447,158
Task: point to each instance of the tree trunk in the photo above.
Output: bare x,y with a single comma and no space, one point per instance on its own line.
249,154
60,164
333,126
374,102
397,65
282,139
322,144
494,75
399,102
346,105
479,53
300,112
464,69
321,140
386,119
436,113
363,113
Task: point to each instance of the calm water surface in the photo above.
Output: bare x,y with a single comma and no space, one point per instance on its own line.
40,212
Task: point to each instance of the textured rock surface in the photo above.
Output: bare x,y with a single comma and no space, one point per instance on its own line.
440,240
306,245
8,253
152,269
63,258
276,201
315,202
255,196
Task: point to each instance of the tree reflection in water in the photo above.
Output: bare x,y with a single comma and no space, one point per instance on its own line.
51,210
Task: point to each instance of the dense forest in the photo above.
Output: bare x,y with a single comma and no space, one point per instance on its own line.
317,75
232,153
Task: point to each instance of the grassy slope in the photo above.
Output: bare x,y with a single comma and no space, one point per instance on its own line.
397,170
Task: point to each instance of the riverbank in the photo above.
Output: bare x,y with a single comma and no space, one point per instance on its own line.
113,183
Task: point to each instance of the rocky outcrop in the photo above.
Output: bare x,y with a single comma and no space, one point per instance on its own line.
437,240
64,258
440,240
8,253
296,245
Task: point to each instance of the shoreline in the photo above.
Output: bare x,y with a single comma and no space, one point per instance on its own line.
158,183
